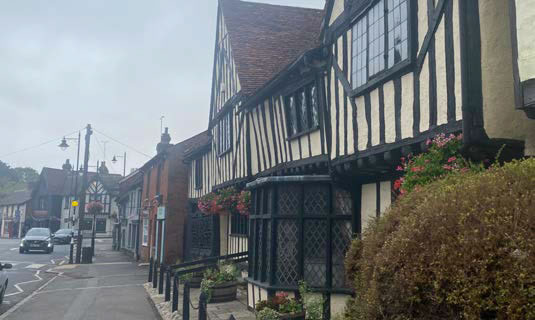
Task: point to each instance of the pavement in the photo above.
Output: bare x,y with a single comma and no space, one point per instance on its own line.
110,288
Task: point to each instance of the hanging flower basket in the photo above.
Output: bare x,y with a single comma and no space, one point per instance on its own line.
243,205
94,207
222,202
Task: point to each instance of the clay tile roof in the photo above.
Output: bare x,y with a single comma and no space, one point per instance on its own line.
196,143
16,197
55,180
266,38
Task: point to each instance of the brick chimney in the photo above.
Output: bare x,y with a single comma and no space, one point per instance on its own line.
164,141
102,169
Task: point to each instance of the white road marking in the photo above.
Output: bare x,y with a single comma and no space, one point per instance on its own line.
13,249
62,262
35,266
89,288
110,263
17,285
23,301
52,260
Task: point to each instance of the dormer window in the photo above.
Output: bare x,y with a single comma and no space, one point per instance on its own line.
372,33
224,129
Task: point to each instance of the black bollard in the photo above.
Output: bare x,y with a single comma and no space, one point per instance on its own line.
168,285
71,252
185,302
202,306
160,280
155,275
175,293
150,270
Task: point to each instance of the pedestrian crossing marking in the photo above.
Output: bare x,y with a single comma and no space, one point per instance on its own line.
35,266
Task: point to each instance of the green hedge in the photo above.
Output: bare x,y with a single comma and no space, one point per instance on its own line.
460,248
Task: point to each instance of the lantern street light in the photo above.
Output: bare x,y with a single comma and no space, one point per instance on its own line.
114,160
64,146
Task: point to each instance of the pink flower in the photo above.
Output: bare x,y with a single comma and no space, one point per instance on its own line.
416,169
447,167
427,161
399,168
402,159
451,159
428,142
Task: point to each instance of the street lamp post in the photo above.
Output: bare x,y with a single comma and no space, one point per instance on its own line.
64,147
114,160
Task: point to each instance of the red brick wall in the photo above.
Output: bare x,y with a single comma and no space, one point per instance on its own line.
173,188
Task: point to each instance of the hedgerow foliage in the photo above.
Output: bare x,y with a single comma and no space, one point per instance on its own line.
459,248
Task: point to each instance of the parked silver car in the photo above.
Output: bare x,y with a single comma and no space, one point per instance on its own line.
3,280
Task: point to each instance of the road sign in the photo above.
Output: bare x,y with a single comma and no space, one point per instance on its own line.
161,213
74,203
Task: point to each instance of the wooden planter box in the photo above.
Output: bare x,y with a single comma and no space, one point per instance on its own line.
293,316
224,292
195,281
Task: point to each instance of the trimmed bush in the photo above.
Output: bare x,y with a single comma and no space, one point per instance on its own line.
459,248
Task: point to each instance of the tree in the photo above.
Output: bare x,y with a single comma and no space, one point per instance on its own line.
12,179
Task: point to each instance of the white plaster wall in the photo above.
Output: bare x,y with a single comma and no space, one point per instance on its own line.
368,204
338,8
362,124
525,22
407,97
501,120
440,62
374,102
390,112
386,195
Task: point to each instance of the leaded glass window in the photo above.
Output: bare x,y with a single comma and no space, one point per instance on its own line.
302,110
300,231
374,32
225,133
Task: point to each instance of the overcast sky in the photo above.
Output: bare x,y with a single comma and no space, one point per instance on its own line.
118,65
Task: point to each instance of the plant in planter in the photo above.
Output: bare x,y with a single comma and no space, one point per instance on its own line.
281,306
220,285
313,304
244,202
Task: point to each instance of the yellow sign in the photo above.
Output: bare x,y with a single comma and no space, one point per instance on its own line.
75,203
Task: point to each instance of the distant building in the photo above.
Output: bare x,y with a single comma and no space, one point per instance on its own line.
13,210
52,199
129,200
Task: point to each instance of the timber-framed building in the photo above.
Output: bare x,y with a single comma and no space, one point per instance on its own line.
312,111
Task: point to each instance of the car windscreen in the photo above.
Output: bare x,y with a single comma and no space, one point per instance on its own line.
64,231
38,232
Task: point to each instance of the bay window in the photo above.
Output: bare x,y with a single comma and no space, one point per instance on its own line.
372,33
300,228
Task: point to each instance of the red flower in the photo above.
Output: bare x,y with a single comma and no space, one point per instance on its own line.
416,169
451,159
397,184
447,167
